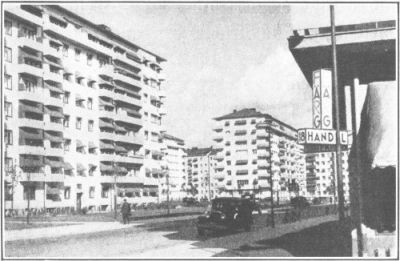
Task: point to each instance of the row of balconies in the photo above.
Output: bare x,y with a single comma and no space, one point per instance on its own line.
121,138
137,159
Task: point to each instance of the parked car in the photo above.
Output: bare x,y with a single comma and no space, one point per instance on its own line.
299,202
190,201
226,214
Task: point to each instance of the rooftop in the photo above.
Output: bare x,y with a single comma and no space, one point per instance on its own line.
243,113
170,137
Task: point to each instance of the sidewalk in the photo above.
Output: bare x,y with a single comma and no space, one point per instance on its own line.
74,228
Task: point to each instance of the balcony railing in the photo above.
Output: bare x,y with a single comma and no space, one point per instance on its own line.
32,123
41,177
33,150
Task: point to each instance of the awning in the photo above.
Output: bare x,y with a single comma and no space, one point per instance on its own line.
53,138
120,149
92,145
67,70
23,54
52,63
105,124
132,111
30,108
54,163
121,169
80,167
105,82
156,171
54,39
53,191
129,91
133,56
153,98
120,128
91,79
108,168
156,153
78,97
242,172
53,113
92,166
53,88
79,75
67,166
105,103
31,161
34,135
107,146
79,144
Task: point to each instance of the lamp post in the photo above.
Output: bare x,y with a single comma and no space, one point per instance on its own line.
115,194
167,177
28,197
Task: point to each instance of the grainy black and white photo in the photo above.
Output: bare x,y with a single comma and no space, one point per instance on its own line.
189,130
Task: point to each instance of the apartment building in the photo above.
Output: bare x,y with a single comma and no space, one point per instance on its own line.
201,165
79,101
253,148
321,178
175,157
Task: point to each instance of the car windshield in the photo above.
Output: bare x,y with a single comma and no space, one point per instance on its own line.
224,205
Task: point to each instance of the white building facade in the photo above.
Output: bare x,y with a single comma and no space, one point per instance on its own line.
75,112
254,147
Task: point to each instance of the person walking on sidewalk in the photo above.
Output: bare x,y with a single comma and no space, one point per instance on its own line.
125,211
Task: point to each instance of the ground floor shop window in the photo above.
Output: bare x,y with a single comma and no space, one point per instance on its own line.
29,192
67,192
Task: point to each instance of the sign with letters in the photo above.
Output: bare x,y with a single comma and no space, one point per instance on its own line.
319,136
322,99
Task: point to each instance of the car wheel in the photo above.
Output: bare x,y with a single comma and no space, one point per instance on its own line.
201,232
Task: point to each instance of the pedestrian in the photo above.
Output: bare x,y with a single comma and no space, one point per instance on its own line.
125,211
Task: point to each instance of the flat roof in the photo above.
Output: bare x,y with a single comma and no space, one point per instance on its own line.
99,27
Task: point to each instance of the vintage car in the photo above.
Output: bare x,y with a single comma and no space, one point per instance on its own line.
226,214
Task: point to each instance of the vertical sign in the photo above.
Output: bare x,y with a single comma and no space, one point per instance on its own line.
316,99
326,99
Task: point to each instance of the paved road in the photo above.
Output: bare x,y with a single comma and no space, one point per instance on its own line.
154,238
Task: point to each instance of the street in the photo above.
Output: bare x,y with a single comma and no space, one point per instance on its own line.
165,237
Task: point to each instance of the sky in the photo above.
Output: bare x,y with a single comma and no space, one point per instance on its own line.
222,57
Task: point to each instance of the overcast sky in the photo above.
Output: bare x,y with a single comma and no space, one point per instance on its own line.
225,57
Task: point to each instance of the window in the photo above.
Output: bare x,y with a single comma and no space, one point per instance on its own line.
228,162
66,121
66,97
253,121
66,77
65,50
29,192
67,145
9,165
104,192
90,103
8,27
67,192
8,109
79,186
226,123
91,192
8,81
90,125
77,54
89,59
78,123
8,54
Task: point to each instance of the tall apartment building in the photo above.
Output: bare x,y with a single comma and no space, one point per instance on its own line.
200,172
175,157
253,147
78,101
321,177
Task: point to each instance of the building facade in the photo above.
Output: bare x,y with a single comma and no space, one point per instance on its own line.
175,157
201,164
79,107
253,148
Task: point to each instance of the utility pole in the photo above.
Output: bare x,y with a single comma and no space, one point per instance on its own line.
209,176
271,180
29,197
44,193
337,117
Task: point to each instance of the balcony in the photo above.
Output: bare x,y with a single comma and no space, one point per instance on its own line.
47,50
54,77
107,157
219,146
129,139
220,166
106,179
263,183
55,152
261,134
263,173
128,159
123,116
162,111
129,179
107,114
127,99
107,135
41,177
25,68
218,127
220,185
54,126
36,96
219,156
263,164
127,80
53,101
219,175
26,122
162,93
218,137
26,16
106,70
262,144
161,76
32,150
34,43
